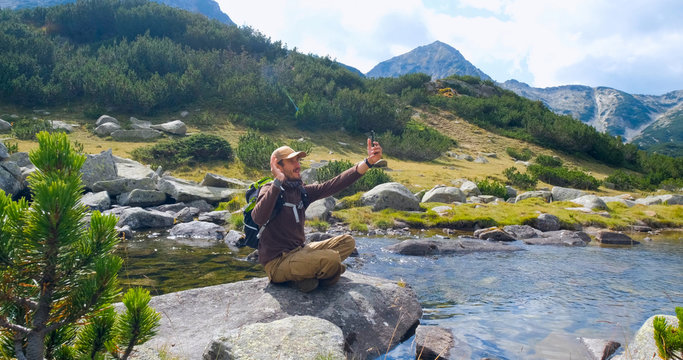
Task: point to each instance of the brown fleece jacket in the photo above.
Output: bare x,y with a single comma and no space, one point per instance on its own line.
283,233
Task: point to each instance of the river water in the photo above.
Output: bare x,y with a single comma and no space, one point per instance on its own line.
530,304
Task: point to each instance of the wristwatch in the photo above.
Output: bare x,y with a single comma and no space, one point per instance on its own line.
368,163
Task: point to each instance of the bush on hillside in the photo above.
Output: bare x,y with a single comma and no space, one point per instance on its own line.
549,161
492,187
172,154
523,155
417,142
561,176
621,180
372,177
254,150
523,181
26,128
305,146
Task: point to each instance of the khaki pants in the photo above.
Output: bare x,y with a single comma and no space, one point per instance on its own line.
319,260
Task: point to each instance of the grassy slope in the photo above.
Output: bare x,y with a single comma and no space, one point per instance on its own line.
337,146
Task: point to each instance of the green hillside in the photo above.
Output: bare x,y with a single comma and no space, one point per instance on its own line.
140,57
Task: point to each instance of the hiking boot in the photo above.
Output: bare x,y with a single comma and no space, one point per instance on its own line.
306,285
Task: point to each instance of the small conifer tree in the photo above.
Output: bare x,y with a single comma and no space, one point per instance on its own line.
669,338
58,275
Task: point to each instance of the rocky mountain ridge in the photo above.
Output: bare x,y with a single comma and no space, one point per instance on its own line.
612,110
208,8
436,59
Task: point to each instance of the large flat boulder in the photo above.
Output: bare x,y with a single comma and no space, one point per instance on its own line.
294,337
131,169
11,181
433,246
124,185
216,180
141,198
321,208
373,314
444,194
199,230
392,196
138,218
186,191
614,238
175,127
136,135
543,194
562,194
98,167
643,346
561,238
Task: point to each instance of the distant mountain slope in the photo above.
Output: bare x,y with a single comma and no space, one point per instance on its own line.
665,135
436,59
208,8
607,109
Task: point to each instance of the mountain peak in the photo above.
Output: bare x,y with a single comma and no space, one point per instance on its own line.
437,59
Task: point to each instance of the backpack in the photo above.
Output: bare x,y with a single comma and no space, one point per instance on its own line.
252,231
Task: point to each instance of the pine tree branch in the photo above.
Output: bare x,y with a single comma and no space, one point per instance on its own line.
14,327
20,301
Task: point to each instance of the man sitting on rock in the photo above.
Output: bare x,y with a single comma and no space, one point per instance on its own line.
281,246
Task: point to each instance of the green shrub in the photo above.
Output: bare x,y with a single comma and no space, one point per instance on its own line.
26,128
669,338
561,176
93,111
668,184
254,150
197,148
620,180
372,177
492,188
237,222
305,146
523,155
549,161
417,142
234,204
12,147
517,179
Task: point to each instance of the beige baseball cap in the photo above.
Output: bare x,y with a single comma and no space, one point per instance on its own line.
286,152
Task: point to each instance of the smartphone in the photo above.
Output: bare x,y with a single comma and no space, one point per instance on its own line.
372,137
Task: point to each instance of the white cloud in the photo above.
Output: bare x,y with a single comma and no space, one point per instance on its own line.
545,43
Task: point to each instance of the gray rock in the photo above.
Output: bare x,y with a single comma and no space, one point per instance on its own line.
614,238
187,214
175,127
511,192
61,125
141,198
469,188
434,342
223,182
5,126
21,159
643,346
131,169
390,195
321,209
99,201
563,194
668,199
562,238
170,208
107,128
547,222
136,135
590,202
493,234
125,232
185,191
139,218
522,231
481,160
294,337
232,238
106,119
464,157
491,155
199,230
4,153
184,114
543,194
374,314
317,236
600,349
11,181
99,167
135,123
217,217
444,194
124,185
423,247
482,199
442,210
309,176
202,205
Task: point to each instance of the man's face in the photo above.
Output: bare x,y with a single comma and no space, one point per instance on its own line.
291,168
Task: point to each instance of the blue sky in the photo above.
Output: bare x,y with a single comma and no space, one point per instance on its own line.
635,45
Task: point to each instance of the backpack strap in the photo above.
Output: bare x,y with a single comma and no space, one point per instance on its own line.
278,205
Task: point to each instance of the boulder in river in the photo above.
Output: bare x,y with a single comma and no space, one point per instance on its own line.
433,246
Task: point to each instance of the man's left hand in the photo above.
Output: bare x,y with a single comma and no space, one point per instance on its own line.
374,152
